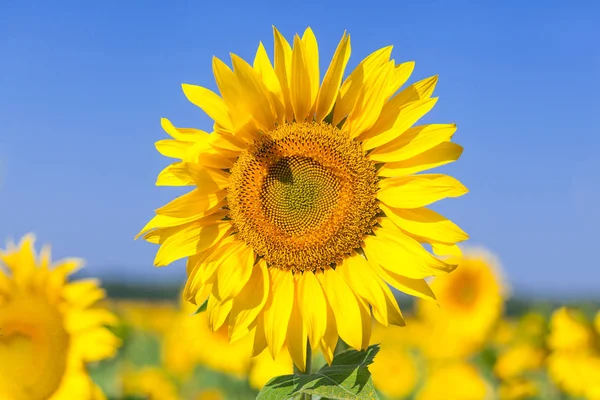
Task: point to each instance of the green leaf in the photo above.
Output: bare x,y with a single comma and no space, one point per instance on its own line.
346,378
202,307
353,357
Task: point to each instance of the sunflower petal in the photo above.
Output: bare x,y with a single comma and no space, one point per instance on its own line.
296,337
418,190
311,58
183,134
444,249
159,222
249,302
366,322
173,148
300,88
209,180
190,240
203,272
425,223
283,70
234,273
260,340
175,174
330,339
344,304
358,274
278,309
406,116
263,66
333,78
218,311
397,252
414,287
441,154
254,93
369,103
413,142
195,202
393,315
210,102
399,76
312,307
417,91
353,84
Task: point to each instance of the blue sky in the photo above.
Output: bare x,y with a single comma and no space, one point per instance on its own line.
82,90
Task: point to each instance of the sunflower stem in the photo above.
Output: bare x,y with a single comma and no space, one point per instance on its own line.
307,370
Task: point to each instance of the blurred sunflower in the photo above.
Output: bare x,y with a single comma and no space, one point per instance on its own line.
150,383
306,200
471,300
396,372
519,359
455,381
264,368
189,342
210,394
574,364
518,389
150,316
49,327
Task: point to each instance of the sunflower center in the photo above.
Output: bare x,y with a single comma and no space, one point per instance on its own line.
303,196
465,291
299,194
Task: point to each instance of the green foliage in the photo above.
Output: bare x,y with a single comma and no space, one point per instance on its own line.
202,307
347,377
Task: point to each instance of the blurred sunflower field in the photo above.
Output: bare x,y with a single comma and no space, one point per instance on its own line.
479,343
476,343
488,346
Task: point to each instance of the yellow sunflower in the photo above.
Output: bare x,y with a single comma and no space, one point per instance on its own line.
518,389
455,381
471,300
396,372
574,364
264,368
519,359
305,199
189,343
150,383
150,316
49,327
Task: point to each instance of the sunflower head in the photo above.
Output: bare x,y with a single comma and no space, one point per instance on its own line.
305,202
49,327
395,359
454,381
471,301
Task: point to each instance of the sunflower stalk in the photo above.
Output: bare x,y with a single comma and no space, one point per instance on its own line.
307,370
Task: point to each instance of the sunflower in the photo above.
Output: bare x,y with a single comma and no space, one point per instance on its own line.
185,344
305,200
455,381
396,372
518,360
49,327
149,316
518,389
264,368
149,383
471,300
574,364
